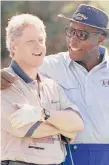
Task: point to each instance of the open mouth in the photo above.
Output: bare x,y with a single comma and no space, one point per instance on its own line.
75,49
36,54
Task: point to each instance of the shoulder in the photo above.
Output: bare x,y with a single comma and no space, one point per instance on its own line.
50,83
51,86
104,52
57,59
9,70
15,86
53,65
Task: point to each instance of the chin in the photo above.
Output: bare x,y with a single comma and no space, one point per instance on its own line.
76,56
38,64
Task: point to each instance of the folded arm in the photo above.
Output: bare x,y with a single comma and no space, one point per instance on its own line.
44,129
69,118
70,135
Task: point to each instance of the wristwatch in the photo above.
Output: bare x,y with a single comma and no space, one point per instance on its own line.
47,114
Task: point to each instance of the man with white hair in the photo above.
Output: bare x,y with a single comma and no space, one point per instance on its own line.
35,110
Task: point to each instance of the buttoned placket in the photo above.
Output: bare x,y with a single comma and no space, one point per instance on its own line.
36,86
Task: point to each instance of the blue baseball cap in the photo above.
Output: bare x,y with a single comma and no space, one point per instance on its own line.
91,16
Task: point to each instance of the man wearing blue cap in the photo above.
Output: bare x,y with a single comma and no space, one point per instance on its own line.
83,72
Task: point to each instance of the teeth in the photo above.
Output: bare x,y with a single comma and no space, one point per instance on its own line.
74,49
37,54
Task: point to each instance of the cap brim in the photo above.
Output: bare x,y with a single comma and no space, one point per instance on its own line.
106,30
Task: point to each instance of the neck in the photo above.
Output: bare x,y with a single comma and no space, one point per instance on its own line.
29,70
91,60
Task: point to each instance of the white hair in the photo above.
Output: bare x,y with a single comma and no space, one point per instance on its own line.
18,23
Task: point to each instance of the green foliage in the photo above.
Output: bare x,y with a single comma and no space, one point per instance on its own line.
47,11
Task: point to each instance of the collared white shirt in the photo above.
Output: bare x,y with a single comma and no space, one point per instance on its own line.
88,90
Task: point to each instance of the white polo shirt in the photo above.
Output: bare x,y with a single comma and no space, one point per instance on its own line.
88,90
17,144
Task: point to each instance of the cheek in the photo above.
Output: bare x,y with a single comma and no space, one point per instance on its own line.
87,45
22,49
43,49
86,48
93,40
67,42
27,50
25,53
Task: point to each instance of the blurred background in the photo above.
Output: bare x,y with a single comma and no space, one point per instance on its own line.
47,11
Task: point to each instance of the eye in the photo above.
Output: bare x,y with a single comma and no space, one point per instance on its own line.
69,31
81,33
31,41
84,33
73,31
41,39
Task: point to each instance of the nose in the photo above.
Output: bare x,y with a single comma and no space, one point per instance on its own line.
73,40
37,45
74,35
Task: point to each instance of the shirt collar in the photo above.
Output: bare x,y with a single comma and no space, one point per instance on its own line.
103,52
22,74
69,60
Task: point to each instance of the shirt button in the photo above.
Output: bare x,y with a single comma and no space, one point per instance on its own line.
75,147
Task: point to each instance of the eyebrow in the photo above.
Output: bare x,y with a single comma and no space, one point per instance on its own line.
79,29
30,40
86,30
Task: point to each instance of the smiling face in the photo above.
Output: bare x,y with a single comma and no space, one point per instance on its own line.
29,48
79,50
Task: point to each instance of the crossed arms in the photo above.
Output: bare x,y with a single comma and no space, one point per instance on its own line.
65,122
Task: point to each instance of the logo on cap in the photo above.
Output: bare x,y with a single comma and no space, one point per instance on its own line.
79,16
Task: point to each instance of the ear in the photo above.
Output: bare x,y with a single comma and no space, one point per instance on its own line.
101,39
12,46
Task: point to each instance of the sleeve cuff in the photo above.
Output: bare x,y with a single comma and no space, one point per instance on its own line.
32,129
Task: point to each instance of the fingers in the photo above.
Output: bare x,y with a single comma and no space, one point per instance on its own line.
17,124
21,124
16,106
16,121
15,114
73,138
4,84
6,79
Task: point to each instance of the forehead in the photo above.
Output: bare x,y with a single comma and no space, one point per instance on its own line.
32,32
81,26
